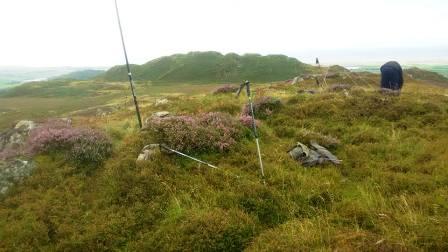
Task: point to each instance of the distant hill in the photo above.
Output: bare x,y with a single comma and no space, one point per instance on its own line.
13,76
424,75
80,75
212,67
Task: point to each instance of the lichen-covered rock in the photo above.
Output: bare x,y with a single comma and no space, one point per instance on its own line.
160,102
148,152
161,114
25,125
13,140
12,172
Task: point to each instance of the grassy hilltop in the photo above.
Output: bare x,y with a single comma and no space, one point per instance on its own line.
212,67
389,194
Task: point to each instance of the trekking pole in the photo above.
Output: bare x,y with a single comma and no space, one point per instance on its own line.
187,156
131,81
254,126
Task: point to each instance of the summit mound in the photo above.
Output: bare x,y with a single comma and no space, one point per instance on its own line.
202,67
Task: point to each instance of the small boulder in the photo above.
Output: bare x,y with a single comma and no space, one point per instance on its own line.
25,125
148,152
295,81
339,87
161,114
390,92
12,172
160,102
12,140
316,155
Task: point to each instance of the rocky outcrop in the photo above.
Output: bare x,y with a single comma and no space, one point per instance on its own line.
12,140
12,166
12,172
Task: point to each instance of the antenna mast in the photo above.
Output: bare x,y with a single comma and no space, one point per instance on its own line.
131,81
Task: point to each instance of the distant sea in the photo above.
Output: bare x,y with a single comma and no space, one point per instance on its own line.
441,69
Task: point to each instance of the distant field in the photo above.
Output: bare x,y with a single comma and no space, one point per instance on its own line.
31,102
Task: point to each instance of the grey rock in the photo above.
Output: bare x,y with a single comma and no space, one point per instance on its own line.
12,172
25,125
161,102
161,114
339,87
391,92
12,140
295,81
148,152
312,156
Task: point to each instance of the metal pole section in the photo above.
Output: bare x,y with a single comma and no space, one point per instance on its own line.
185,155
254,125
131,81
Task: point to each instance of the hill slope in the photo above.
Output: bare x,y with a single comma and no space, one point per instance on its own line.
389,193
425,75
80,75
212,67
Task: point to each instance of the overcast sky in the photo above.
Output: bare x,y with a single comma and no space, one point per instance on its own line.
85,32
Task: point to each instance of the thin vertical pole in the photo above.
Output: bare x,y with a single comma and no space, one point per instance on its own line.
131,81
254,125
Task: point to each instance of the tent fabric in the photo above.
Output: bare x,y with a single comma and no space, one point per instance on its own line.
392,76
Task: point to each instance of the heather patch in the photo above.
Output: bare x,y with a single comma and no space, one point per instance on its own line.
202,133
246,120
82,146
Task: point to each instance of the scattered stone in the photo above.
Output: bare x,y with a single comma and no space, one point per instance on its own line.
391,92
67,120
161,114
339,87
295,81
161,102
25,125
148,152
316,155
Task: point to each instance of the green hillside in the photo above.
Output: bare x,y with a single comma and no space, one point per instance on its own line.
212,67
425,75
80,75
